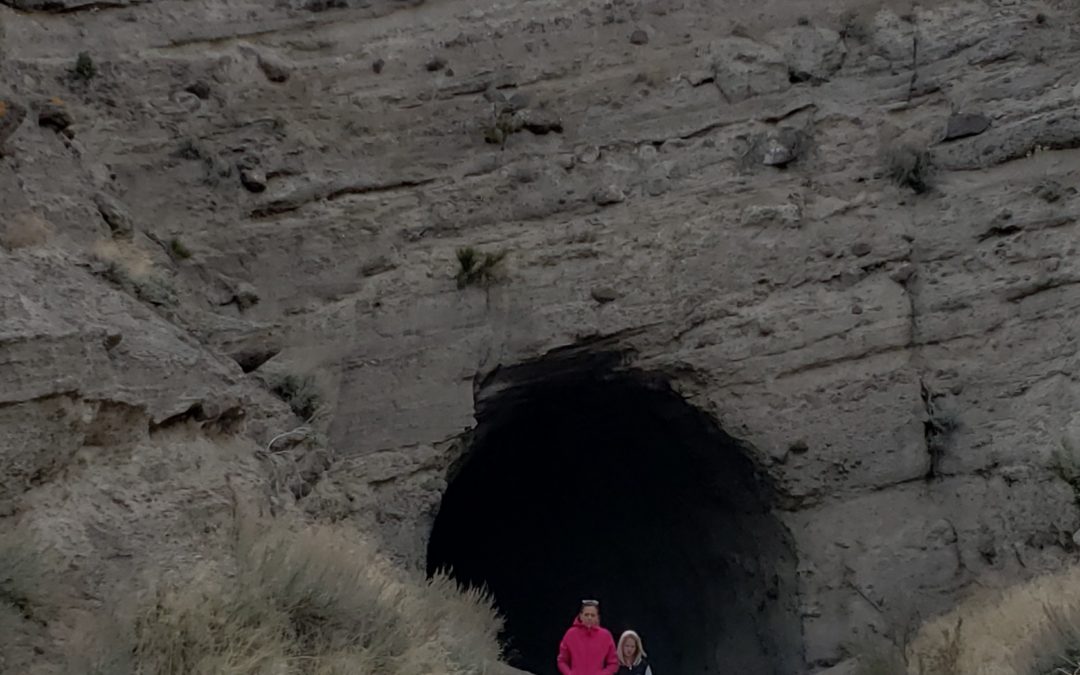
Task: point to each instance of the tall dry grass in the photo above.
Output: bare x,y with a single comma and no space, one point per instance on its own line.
1030,629
314,602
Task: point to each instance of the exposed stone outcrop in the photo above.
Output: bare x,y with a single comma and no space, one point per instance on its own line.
247,190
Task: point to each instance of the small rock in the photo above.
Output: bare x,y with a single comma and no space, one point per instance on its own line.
861,248
965,125
787,215
11,116
777,453
200,89
778,155
902,274
639,37
435,64
565,161
518,101
112,340
657,186
608,195
377,66
275,70
589,155
187,101
253,179
541,122
115,216
799,447
1076,537
781,149
605,294
246,296
856,309
53,114
812,54
744,68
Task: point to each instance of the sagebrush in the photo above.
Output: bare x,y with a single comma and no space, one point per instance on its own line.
301,392
910,166
315,602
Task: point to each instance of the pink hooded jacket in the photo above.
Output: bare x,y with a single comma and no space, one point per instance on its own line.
586,650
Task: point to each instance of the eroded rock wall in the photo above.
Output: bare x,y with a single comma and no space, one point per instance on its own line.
221,187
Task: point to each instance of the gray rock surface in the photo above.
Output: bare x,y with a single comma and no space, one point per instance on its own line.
901,366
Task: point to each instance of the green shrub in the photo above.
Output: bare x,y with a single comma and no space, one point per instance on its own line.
299,391
84,68
477,269
179,250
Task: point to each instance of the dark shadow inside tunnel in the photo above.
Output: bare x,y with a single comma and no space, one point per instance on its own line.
610,485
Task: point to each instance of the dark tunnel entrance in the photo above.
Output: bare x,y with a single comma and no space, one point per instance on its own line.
612,486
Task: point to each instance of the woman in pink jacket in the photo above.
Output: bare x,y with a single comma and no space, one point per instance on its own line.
587,648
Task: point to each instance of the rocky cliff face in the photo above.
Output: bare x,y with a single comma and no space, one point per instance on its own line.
846,232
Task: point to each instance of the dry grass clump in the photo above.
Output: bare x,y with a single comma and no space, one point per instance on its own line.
24,230
1030,629
309,603
127,266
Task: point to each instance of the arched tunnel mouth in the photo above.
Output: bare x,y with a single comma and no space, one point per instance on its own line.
609,485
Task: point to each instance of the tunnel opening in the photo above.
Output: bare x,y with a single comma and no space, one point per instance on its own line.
610,485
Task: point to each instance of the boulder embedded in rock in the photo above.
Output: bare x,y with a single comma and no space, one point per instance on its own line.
115,216
811,53
781,148
743,68
275,70
604,294
963,125
253,180
607,195
541,122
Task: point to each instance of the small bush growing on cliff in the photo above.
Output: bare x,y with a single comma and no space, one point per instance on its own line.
315,602
84,68
178,249
477,269
299,391
910,166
